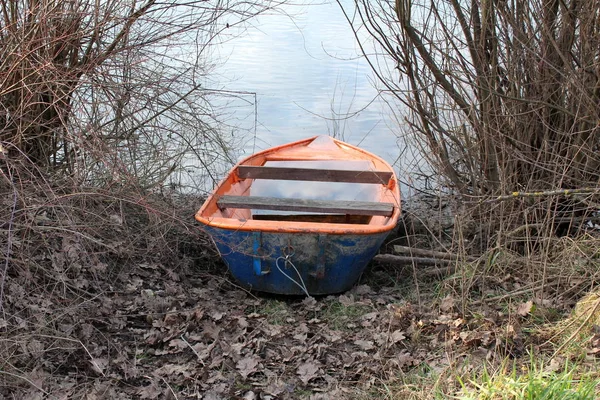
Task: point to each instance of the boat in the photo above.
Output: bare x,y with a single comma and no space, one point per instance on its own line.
304,218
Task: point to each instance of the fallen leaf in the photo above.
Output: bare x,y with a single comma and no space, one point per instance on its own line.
594,351
310,303
213,395
362,289
66,328
151,392
332,336
447,304
242,322
216,315
86,330
171,319
35,347
365,344
397,336
307,371
134,284
249,395
370,316
210,330
178,343
174,276
117,220
301,337
524,309
405,359
346,300
247,365
555,365
174,369
198,314
471,338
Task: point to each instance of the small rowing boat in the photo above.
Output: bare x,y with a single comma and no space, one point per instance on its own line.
302,218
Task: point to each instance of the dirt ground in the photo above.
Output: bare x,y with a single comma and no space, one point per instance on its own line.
156,333
132,307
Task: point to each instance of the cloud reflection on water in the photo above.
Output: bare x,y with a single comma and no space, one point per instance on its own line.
305,69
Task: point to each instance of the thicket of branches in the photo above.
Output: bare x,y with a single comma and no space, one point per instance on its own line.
116,87
100,101
504,96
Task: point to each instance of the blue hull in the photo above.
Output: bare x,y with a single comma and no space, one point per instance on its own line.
289,263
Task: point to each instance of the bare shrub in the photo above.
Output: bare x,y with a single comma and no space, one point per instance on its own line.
502,96
114,88
100,102
67,250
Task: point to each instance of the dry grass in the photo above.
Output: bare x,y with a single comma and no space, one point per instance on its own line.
106,284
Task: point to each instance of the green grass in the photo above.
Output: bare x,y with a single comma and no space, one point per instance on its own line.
418,384
338,316
303,393
530,383
275,312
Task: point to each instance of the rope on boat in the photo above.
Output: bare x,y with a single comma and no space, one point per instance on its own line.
288,261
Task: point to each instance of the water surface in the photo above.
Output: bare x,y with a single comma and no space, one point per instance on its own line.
305,67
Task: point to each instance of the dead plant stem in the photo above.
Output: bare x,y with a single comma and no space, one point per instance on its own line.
557,192
81,344
529,289
26,380
584,323
191,348
170,388
8,243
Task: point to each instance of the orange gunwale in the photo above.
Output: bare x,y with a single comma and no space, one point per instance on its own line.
297,151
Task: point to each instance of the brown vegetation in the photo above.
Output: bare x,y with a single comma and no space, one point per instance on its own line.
115,90
502,96
109,289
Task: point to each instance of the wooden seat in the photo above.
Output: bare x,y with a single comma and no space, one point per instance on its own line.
313,174
303,205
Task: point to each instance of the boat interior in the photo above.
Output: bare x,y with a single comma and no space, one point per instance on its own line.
308,186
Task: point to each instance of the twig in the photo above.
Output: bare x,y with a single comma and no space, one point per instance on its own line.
82,345
559,192
424,273
437,271
26,380
393,259
194,350
524,228
83,235
170,388
8,242
511,294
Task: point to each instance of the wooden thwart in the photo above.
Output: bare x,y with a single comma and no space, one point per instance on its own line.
319,206
313,174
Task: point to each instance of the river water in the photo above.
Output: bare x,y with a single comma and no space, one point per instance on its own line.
303,67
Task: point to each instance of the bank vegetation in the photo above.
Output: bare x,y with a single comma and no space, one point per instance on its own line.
107,287
502,98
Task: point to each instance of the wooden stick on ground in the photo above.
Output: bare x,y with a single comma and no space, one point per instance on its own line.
430,253
423,273
393,259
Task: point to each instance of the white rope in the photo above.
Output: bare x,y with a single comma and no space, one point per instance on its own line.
289,261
